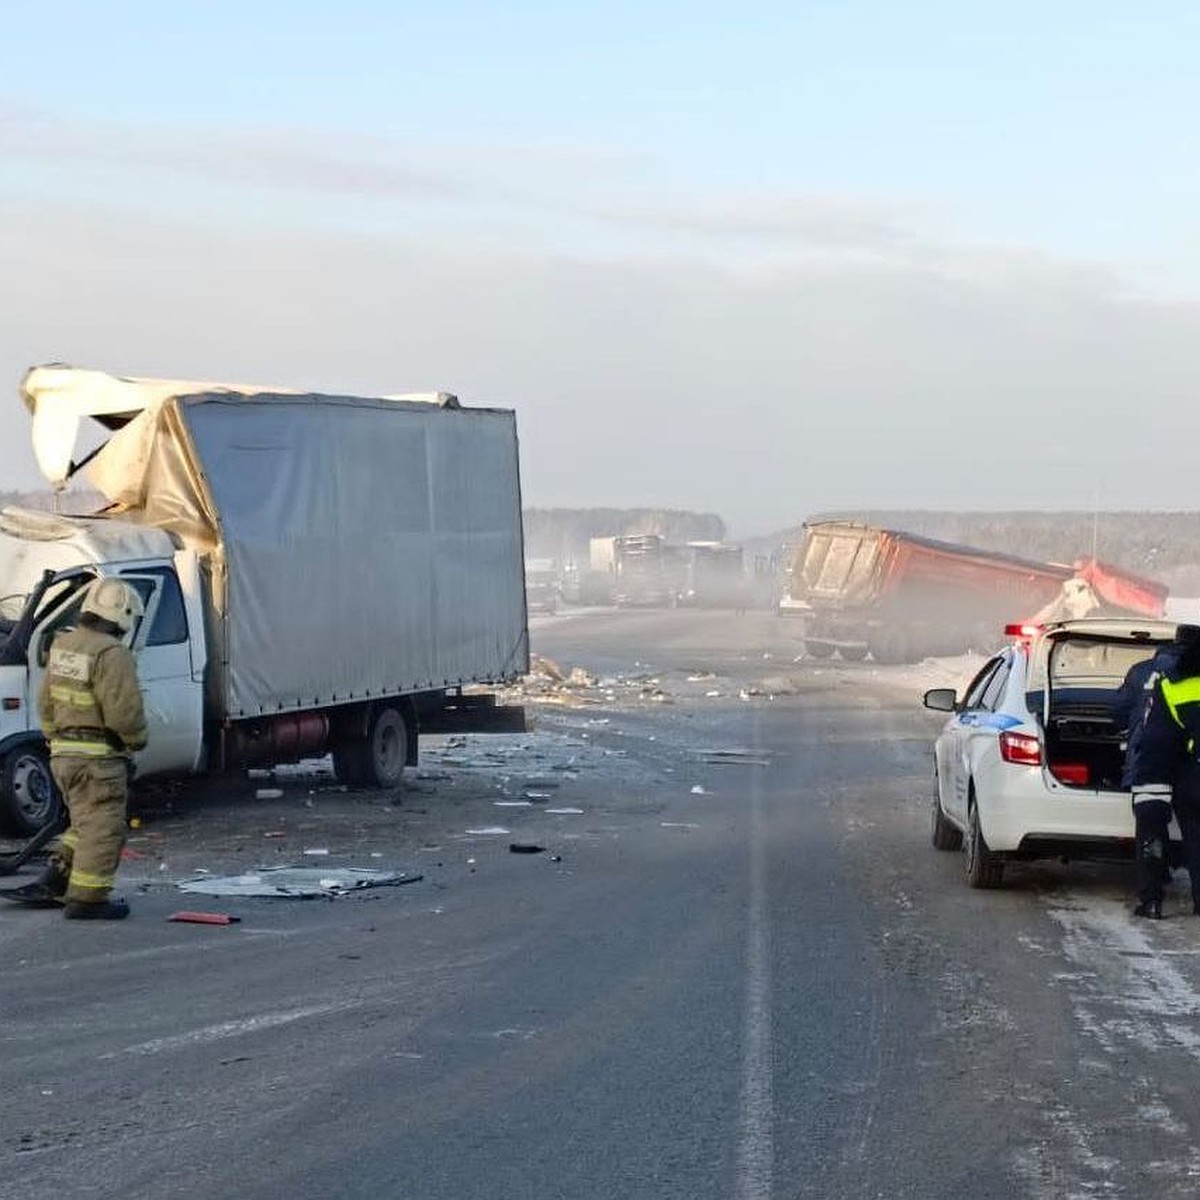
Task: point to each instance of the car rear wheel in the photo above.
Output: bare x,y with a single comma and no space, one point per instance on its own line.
985,869
945,835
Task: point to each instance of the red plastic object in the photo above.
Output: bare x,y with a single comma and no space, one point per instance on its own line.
204,918
1076,773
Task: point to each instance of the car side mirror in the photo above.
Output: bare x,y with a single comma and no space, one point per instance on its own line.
941,699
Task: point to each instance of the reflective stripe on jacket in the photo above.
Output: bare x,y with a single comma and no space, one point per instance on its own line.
1182,700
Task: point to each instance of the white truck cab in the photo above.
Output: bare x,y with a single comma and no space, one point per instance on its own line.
46,563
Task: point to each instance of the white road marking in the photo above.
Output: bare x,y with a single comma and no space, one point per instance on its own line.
227,1029
756,1145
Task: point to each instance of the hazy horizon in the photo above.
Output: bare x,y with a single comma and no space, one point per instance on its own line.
834,258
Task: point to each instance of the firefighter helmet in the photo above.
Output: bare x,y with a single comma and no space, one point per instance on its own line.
114,600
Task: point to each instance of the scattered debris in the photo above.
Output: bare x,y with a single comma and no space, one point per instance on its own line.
204,918
531,796
268,794
679,825
699,790
317,852
565,812
513,803
487,831
297,883
737,758
525,848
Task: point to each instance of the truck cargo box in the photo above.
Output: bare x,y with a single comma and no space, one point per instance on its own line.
354,547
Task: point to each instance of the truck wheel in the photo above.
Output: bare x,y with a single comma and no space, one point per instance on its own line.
29,797
891,646
818,649
984,869
853,653
945,836
386,749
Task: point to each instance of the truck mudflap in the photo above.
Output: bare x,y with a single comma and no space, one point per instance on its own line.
472,713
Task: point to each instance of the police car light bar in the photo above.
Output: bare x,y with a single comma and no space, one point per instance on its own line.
1022,631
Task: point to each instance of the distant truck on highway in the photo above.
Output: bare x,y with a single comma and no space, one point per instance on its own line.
631,570
901,597
714,576
542,585
647,572
320,574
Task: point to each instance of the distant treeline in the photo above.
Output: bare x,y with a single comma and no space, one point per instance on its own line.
564,533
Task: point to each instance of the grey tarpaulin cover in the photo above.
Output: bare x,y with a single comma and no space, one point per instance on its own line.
353,547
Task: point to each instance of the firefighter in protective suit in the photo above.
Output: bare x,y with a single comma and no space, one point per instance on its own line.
91,712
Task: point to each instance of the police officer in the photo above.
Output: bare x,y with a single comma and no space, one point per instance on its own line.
1181,696
1154,757
91,712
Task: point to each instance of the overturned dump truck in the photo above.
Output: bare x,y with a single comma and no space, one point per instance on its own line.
901,597
320,574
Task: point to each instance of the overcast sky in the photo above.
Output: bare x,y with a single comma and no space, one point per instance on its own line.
762,259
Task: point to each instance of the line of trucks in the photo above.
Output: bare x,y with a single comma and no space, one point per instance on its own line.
321,574
901,598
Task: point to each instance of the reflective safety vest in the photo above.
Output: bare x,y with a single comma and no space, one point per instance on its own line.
1182,700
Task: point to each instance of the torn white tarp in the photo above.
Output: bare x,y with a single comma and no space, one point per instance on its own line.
296,883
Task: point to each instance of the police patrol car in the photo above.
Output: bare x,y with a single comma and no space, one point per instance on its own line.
1029,763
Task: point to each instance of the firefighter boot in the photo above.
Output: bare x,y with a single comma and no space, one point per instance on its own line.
104,910
1151,909
54,880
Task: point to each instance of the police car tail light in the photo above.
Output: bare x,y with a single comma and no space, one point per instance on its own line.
1020,748
1076,773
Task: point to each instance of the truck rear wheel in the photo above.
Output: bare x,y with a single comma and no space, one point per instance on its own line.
891,645
387,748
818,649
378,760
853,653
29,797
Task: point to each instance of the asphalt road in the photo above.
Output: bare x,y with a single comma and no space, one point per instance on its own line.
742,979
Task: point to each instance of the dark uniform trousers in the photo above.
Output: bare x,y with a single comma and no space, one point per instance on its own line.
1152,820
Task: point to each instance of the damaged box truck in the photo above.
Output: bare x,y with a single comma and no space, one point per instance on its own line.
321,574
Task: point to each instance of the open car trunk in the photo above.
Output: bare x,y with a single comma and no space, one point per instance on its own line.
1083,731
